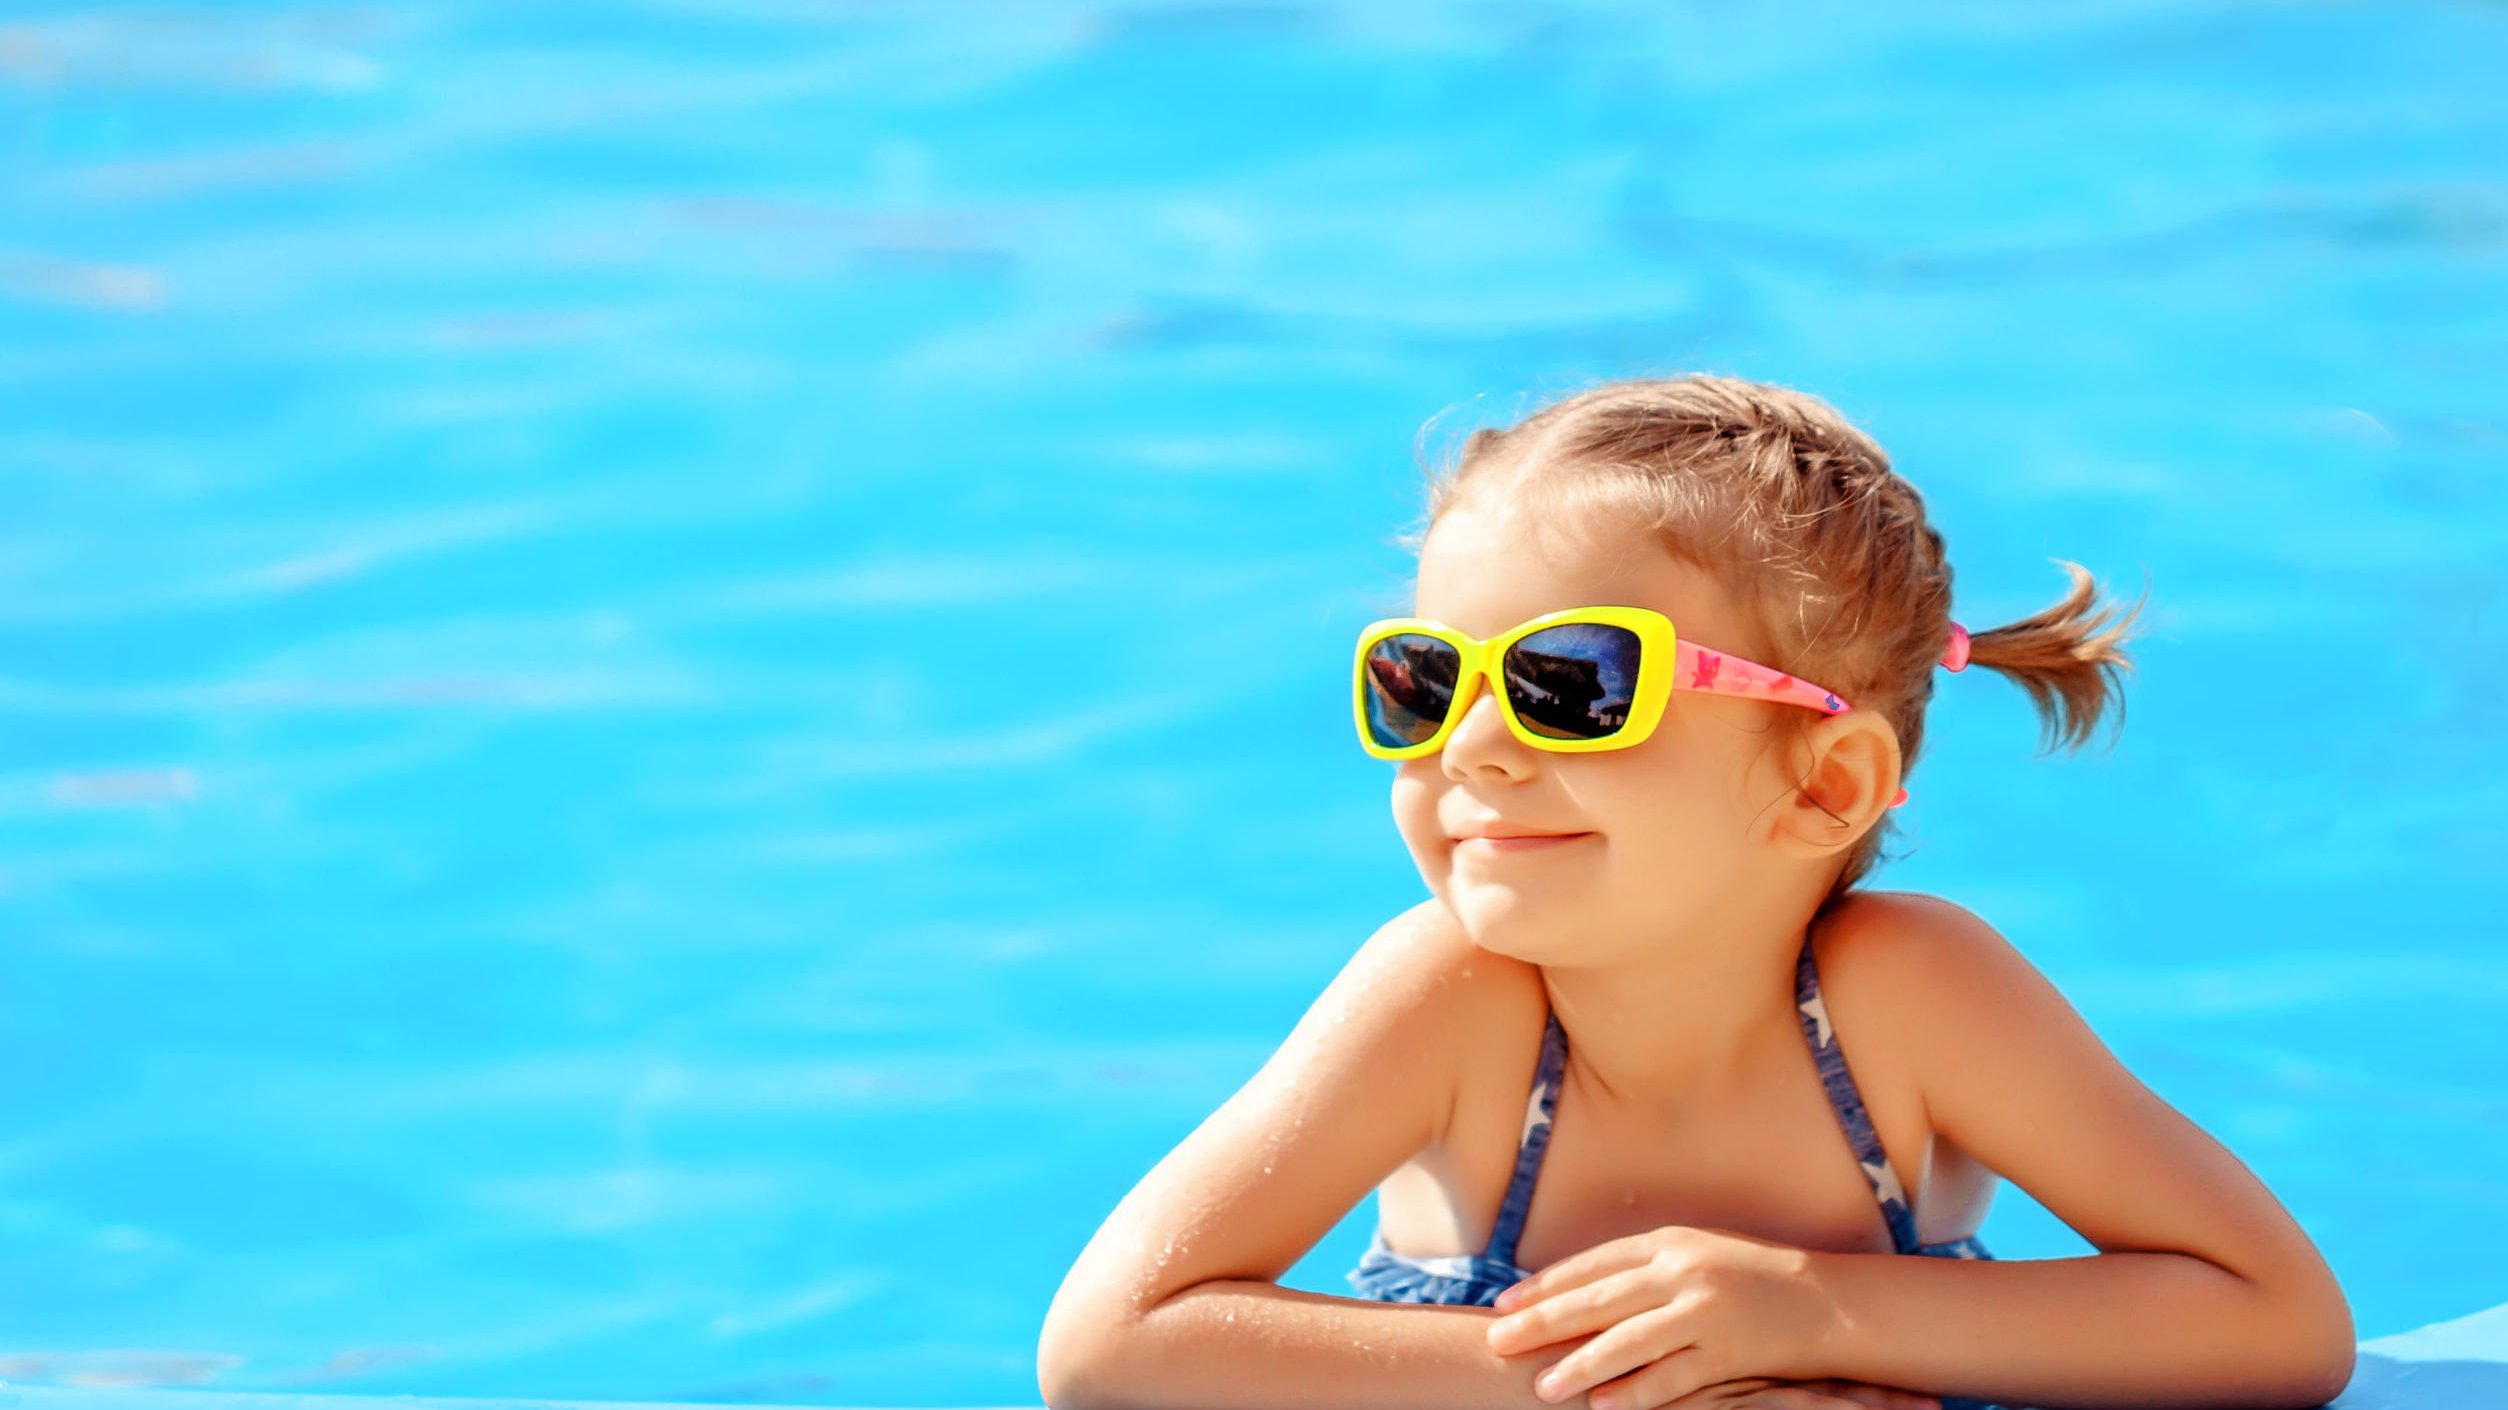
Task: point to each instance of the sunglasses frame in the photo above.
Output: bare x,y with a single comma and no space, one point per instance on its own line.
1665,662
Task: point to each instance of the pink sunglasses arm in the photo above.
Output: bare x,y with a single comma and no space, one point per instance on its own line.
1696,667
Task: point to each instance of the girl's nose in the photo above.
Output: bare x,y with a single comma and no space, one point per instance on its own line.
1481,738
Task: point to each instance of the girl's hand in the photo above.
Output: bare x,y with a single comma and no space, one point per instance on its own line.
1680,1307
1762,1393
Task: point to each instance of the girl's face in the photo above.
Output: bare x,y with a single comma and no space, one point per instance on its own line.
1667,827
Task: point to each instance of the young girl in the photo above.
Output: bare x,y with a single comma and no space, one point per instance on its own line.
1600,1080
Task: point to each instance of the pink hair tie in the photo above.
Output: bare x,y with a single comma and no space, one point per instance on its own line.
1955,655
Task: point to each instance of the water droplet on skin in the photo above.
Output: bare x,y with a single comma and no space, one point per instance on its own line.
1267,1167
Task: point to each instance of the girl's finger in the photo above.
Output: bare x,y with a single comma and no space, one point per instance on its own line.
1773,1393
1573,1271
1878,1397
1721,1395
1757,1393
1606,1306
1630,1366
1650,1351
1791,1397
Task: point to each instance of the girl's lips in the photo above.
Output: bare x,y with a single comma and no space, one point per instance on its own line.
1522,844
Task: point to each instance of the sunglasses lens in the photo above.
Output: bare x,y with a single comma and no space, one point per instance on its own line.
1573,681
1407,684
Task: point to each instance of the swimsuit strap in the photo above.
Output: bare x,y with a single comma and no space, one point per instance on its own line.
1813,1010
1538,1109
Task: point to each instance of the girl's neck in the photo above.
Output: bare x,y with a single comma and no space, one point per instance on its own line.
1659,1029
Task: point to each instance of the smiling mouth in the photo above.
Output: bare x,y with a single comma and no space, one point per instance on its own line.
1523,844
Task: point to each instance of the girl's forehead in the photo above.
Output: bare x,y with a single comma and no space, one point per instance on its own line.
1483,574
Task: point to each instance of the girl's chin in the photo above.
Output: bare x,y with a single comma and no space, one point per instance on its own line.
1503,920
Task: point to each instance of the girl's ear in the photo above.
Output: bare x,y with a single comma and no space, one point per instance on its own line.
1846,771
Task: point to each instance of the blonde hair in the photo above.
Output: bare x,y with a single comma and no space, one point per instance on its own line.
1803,520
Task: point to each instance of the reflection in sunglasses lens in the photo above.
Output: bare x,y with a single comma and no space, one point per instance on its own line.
1573,681
1408,681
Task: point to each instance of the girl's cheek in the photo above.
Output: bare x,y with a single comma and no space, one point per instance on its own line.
1415,813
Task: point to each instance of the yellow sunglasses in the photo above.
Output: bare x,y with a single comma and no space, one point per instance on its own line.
1576,681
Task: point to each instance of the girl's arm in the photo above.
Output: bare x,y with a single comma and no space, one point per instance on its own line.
2205,1292
1174,1303
1254,1345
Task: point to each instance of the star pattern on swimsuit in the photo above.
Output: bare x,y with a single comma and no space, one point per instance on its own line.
1818,1007
1533,1114
1885,1180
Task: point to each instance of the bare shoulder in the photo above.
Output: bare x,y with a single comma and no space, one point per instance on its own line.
1895,939
2018,1081
1423,964
1365,1080
1921,970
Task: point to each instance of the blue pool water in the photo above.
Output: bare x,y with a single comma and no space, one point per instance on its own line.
592,800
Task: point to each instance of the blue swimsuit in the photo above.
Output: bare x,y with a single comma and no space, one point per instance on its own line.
1476,1279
